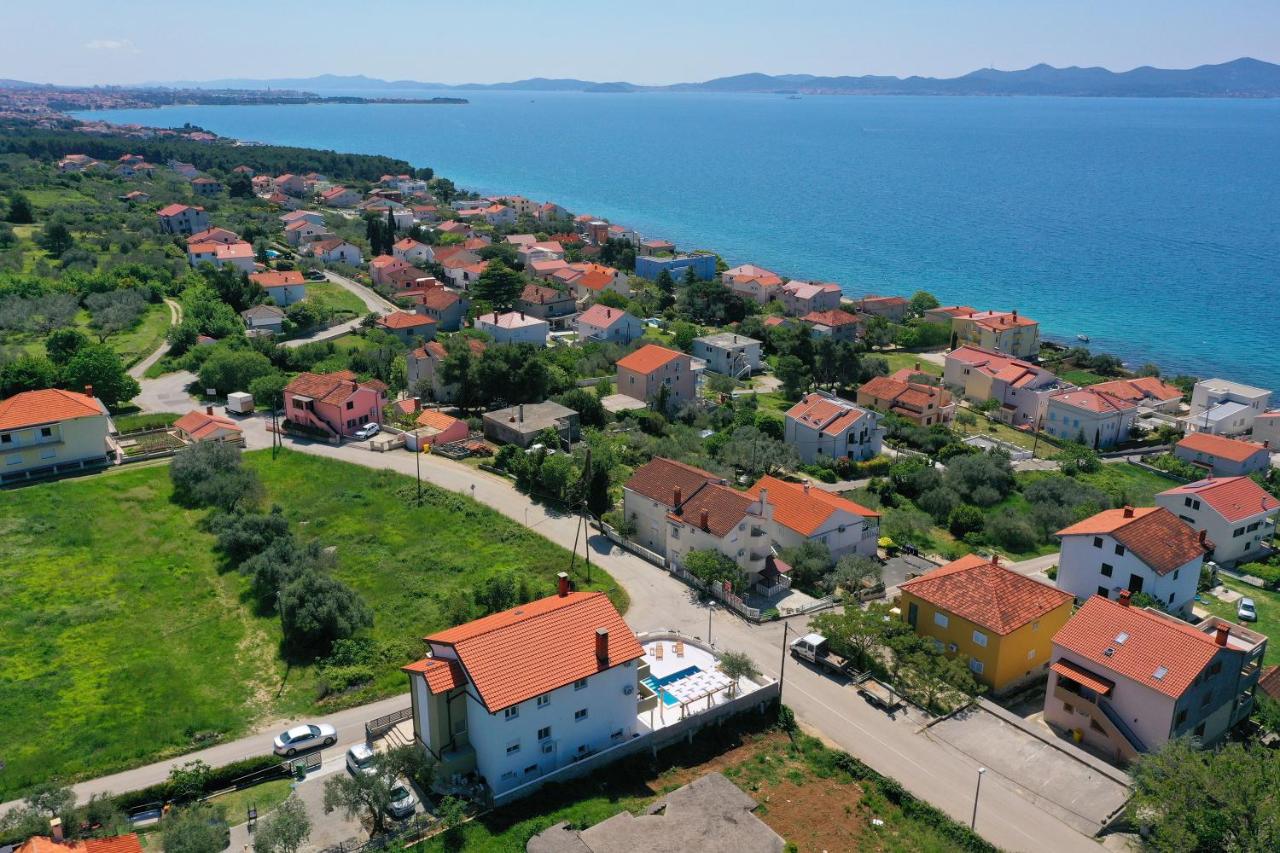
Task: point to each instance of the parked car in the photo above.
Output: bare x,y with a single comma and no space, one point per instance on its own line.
360,760
369,430
314,275
301,738
403,800
1246,610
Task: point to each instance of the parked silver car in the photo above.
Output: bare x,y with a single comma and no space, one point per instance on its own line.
360,760
369,430
403,800
301,738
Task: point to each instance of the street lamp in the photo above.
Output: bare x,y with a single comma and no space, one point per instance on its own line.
973,822
711,608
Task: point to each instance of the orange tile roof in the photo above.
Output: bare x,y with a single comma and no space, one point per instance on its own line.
327,387
804,509
116,844
658,479
438,298
436,419
1220,446
441,674
1233,498
1139,389
1000,320
382,261
1153,642
536,293
175,209
404,320
1154,535
602,316
513,656
833,318
282,278
987,594
200,425
214,235
725,509
31,408
649,358
1089,400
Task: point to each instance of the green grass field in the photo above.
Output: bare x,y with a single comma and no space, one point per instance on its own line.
132,345
899,360
326,294
124,640
1129,484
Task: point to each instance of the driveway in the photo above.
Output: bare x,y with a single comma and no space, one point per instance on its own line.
167,393
327,830
897,570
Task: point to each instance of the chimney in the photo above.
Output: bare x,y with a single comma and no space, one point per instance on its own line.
1128,512
1015,313
562,584
520,413
55,830
1221,634
522,316
676,497
602,645
995,559
917,367
208,410
608,312
1124,598
702,520
88,390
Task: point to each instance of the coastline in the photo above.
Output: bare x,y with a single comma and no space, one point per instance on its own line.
951,287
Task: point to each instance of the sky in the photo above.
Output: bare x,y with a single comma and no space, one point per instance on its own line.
640,41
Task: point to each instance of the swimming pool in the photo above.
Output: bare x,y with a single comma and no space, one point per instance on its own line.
654,683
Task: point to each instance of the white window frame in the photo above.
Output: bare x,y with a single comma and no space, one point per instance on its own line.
940,619
979,638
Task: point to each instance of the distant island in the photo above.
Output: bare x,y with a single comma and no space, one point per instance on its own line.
67,98
1240,78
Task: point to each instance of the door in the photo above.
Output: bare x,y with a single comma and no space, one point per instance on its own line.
1135,584
912,614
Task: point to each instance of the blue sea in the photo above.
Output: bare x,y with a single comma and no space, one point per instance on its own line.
1152,226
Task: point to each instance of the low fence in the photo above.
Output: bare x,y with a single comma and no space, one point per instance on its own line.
626,544
379,725
758,700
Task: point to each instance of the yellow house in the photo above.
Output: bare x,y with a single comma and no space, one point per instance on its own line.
1002,621
51,431
998,331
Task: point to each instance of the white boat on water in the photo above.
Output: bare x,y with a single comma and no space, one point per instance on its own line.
1084,338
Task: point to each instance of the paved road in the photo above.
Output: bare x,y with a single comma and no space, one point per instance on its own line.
371,298
832,708
167,393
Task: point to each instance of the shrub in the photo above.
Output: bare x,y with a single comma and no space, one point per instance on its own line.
1010,530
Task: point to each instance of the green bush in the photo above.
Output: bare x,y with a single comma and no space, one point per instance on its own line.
1268,573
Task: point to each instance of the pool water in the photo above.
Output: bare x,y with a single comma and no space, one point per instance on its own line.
654,683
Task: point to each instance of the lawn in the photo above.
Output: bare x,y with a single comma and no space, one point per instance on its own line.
1129,484
806,793
333,297
264,796
1268,604
1081,377
125,640
899,360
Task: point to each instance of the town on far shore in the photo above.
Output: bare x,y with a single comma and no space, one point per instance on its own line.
515,507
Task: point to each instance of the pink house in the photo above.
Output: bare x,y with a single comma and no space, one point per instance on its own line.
435,427
335,404
644,374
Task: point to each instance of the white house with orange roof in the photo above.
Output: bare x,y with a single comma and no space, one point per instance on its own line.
292,216
408,326
1126,680
729,353
658,487
1266,429
998,331
422,368
652,373
525,692
892,308
1134,549
183,219
303,231
796,513
1147,392
835,324
1021,388
410,250
334,250
1236,515
285,287
1093,418
238,255
806,297
752,282
824,426
1222,456
52,431
604,324
290,184
196,426
943,315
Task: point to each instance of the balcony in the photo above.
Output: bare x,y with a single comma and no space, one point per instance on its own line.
1127,744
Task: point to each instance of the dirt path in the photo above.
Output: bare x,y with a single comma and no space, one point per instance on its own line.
175,317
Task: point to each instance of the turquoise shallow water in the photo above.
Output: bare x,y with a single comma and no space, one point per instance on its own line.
1150,225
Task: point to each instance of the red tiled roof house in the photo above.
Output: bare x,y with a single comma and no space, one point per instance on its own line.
333,404
522,693
645,373
1236,514
1222,456
52,431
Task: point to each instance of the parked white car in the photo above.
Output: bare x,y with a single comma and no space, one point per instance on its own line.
403,800
1246,610
369,430
301,738
360,760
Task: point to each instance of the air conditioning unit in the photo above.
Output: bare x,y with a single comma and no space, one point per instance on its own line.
548,747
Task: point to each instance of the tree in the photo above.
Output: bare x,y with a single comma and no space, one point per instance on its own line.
369,794
810,562
317,609
27,373
752,452
683,335
590,410
853,573
209,473
229,369
933,678
737,665
195,829
855,633
713,569
268,390
878,333
56,238
795,376
20,211
115,311
62,344
284,830
499,286
99,366
922,301
907,527
667,287
965,519
243,534
1200,799
240,185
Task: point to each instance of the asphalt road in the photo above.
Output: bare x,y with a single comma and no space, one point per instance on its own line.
827,707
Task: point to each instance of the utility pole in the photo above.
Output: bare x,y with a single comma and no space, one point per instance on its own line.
711,608
417,468
973,822
782,670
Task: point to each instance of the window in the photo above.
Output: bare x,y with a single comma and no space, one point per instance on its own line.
1175,573
1097,541
350,405
580,684
544,700
1216,668
1254,526
1207,698
1119,550
980,638
544,732
7,438
46,432
548,747
1239,531
1181,718
1107,569
941,620
579,715
509,775
1104,592
1200,730
617,735
513,747
512,712
531,769
976,666
459,725
1031,654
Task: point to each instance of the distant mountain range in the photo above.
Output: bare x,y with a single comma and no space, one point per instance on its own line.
1240,78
